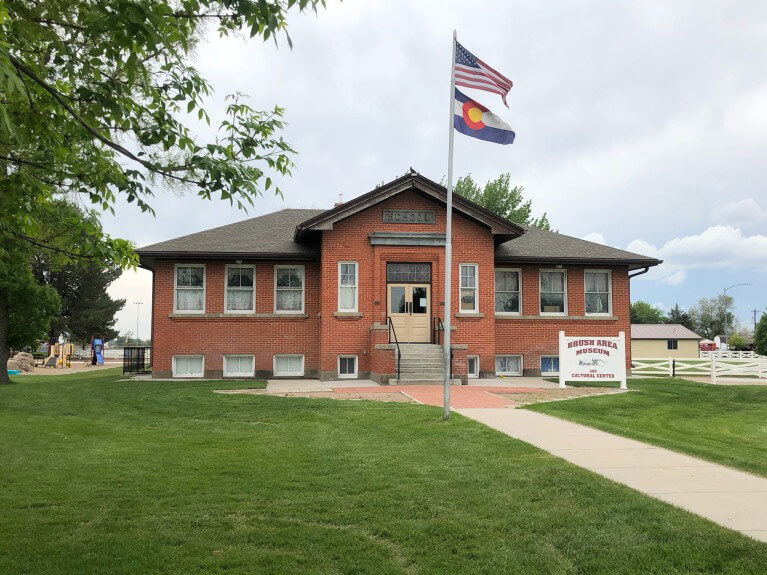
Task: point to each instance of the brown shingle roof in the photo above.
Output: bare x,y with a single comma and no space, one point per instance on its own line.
661,331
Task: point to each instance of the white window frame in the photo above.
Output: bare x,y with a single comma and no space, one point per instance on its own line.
541,365
672,344
508,373
250,373
355,286
540,291
519,274
476,289
291,373
227,288
175,288
347,375
471,375
609,292
303,289
202,371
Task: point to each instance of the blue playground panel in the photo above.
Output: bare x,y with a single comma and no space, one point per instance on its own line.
14,372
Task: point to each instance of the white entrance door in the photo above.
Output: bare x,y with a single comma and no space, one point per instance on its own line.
409,307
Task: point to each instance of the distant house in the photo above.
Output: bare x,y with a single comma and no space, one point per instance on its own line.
663,340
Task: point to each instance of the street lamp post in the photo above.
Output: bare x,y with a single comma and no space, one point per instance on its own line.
724,304
138,305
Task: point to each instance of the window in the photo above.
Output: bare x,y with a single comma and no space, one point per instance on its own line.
289,365
188,365
347,366
672,344
549,365
598,288
404,273
508,287
347,286
508,365
468,287
240,287
472,366
553,292
190,289
239,365
288,289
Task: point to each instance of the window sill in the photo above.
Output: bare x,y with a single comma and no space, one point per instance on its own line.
236,315
557,317
470,314
347,314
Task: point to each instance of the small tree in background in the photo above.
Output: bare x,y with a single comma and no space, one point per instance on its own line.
678,315
760,336
709,317
737,342
499,197
643,312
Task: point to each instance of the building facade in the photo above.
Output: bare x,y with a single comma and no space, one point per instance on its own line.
663,340
330,294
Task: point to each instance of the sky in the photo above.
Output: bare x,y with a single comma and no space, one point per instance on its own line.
640,124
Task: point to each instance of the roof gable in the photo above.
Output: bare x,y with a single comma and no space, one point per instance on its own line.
499,227
661,331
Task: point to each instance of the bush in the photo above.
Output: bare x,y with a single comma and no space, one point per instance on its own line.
760,336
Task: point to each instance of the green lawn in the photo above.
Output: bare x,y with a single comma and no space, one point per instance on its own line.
725,424
100,476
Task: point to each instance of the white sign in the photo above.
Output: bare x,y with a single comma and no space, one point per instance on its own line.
592,359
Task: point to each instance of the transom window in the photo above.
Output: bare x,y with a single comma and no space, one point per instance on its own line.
549,365
598,288
189,288
553,292
240,283
508,365
507,291
408,272
347,286
347,366
289,289
469,301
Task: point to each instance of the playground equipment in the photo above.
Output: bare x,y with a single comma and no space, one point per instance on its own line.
61,351
97,349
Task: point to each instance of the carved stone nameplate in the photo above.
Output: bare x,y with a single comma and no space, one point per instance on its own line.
408,216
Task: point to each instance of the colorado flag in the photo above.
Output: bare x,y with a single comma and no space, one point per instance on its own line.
473,119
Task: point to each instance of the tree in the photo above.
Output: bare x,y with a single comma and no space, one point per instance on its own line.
708,316
760,336
500,198
100,101
643,312
678,315
737,342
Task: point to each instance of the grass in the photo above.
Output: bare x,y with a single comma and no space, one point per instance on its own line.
102,476
724,424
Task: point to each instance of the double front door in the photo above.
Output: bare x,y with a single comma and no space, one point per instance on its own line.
409,307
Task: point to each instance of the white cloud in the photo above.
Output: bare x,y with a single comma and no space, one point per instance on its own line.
595,237
743,212
716,247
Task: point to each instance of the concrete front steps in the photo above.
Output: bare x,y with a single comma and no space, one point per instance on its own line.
421,364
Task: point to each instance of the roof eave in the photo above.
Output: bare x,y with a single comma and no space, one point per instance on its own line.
631,263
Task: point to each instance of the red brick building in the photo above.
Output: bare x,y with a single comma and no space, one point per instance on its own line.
328,294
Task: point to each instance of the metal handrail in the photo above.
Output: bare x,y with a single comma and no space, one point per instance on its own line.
393,332
440,328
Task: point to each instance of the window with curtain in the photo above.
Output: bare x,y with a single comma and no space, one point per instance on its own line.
190,288
507,291
468,274
347,286
240,282
597,287
553,290
289,289
508,364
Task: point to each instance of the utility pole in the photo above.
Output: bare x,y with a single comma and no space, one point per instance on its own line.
724,304
138,305
755,311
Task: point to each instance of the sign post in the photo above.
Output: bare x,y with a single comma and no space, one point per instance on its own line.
592,359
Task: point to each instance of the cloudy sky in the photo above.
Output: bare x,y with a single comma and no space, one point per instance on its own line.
639,124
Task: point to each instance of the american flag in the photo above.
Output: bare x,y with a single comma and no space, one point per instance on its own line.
471,72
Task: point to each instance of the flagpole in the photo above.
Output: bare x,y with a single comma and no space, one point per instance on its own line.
449,238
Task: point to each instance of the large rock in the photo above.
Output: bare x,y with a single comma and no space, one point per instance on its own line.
24,360
15,364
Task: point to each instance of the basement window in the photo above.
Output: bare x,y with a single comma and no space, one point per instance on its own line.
289,365
239,365
188,365
347,366
508,365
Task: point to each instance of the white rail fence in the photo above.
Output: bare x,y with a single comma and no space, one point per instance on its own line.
713,367
730,354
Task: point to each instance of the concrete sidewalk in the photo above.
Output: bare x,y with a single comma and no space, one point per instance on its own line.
734,499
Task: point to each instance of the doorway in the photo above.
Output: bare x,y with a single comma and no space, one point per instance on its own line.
409,307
